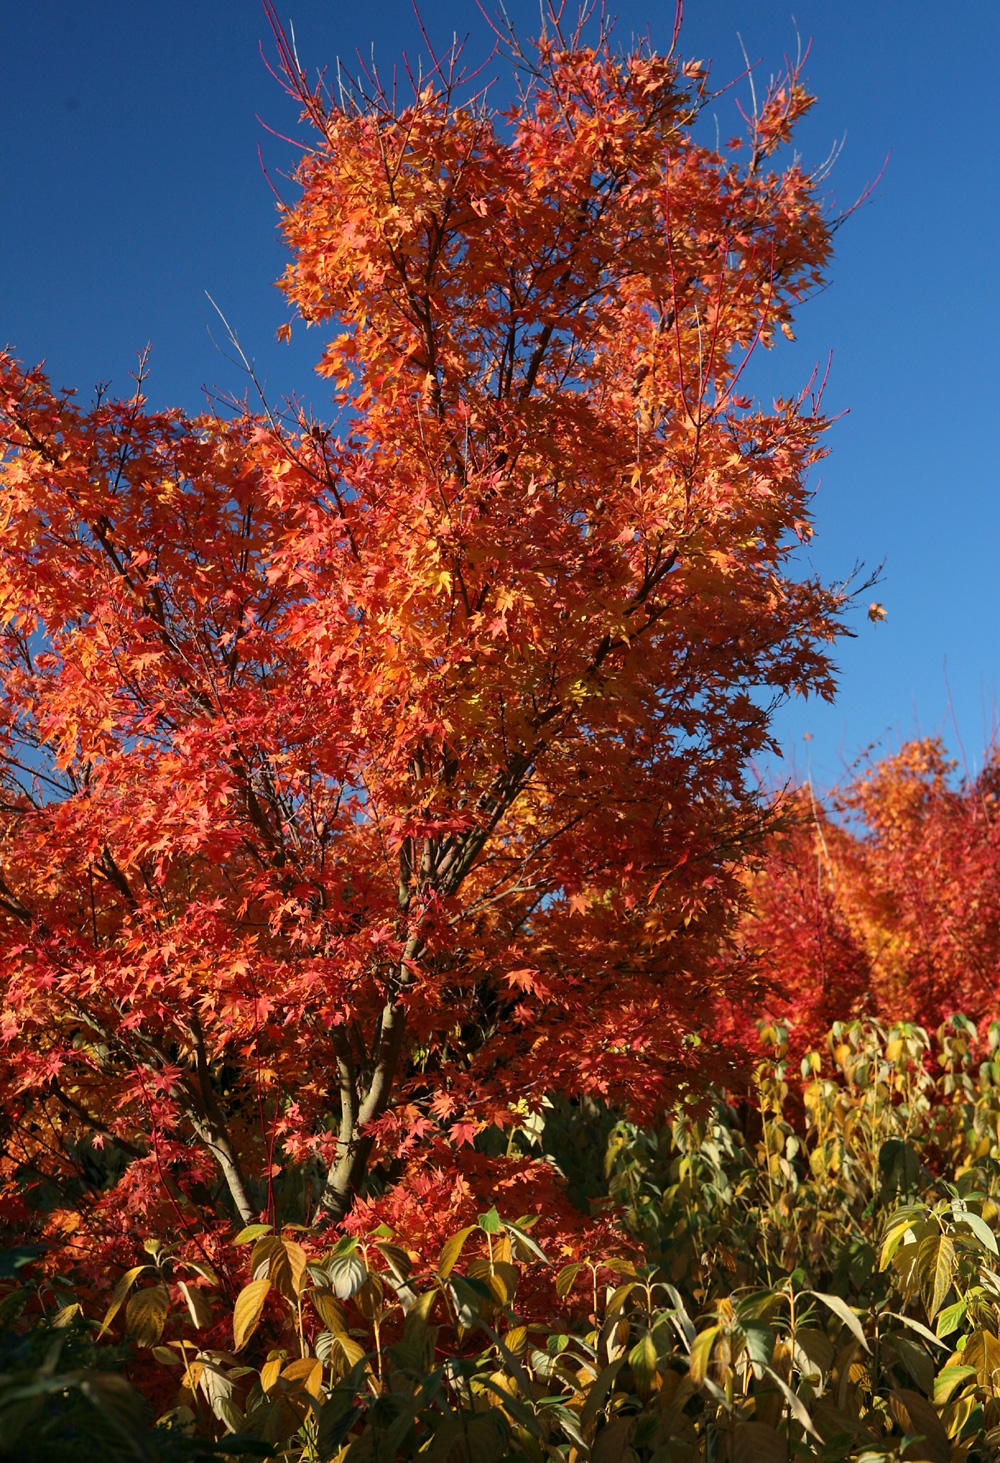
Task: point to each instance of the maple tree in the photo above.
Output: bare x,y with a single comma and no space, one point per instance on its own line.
886,901
364,783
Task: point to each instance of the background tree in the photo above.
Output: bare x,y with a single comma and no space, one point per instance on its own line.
887,902
364,783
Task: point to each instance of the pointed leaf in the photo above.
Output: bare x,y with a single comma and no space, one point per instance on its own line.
329,1310
247,1310
297,1261
198,1307
347,1273
252,1232
146,1314
844,1313
978,1226
566,1278
451,1250
118,1295
936,1263
642,1360
795,1404
597,1393
397,1259
701,1352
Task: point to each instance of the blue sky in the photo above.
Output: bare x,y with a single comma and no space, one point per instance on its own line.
131,185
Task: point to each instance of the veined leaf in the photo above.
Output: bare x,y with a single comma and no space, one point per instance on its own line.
566,1278
146,1314
936,1264
118,1295
251,1232
978,1226
451,1250
248,1309
597,1393
701,1351
642,1360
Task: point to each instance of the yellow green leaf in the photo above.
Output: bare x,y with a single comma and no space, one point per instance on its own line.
329,1310
146,1314
198,1307
451,1250
247,1311
565,1280
936,1262
642,1360
701,1354
118,1295
252,1232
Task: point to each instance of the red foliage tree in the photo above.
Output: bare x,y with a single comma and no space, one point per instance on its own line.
806,952
365,782
892,906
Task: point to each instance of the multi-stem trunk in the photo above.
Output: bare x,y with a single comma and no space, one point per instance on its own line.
354,1143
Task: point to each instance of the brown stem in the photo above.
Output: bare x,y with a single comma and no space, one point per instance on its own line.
210,1125
355,1146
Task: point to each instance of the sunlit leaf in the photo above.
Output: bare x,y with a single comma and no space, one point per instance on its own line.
248,1310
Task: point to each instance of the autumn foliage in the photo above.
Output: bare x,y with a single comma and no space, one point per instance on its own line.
365,782
887,901
419,1035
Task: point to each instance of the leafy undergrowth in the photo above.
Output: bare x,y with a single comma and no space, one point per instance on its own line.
813,1273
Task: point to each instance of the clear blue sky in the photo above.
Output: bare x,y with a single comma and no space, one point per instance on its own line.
131,185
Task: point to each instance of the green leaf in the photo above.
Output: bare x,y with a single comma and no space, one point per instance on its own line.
844,1313
513,1366
490,1223
451,1250
469,1296
118,1295
950,1318
916,1360
978,1226
198,1307
920,1329
66,1315
146,1314
759,1341
642,1360
936,1264
701,1354
517,1409
895,1230
566,1278
346,1245
759,1305
348,1273
336,1419
252,1232
418,1315
899,1164
598,1392
949,1380
619,1298
795,1403
396,1258
524,1247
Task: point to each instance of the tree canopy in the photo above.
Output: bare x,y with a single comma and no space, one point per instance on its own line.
366,781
